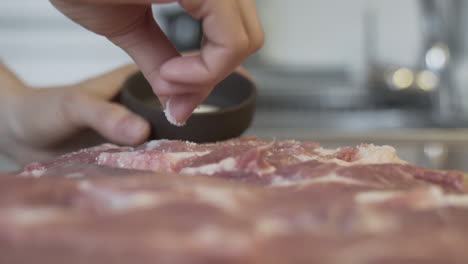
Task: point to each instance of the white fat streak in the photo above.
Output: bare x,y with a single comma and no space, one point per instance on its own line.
333,177
141,200
368,154
223,198
456,200
37,173
126,158
271,226
228,164
120,201
102,147
232,241
376,222
123,202
324,151
421,199
211,235
321,153
448,200
74,175
430,198
176,156
280,181
304,158
372,197
31,216
105,146
268,170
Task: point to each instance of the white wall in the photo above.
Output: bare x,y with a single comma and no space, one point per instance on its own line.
46,48
333,33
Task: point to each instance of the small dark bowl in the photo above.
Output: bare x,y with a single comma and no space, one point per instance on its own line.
235,98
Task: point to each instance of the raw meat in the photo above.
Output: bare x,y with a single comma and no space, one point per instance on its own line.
241,201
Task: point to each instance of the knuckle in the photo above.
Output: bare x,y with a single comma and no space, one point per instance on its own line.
110,117
258,42
210,80
70,104
111,112
241,44
193,7
73,98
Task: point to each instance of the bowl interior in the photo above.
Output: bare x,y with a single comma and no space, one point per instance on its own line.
230,93
226,113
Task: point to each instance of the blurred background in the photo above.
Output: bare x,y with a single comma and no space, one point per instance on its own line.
340,72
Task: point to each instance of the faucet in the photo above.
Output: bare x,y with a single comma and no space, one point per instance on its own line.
441,27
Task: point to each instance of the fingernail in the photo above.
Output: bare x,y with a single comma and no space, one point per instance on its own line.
168,111
163,101
180,108
135,128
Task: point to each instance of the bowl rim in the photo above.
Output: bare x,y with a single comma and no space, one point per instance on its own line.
127,86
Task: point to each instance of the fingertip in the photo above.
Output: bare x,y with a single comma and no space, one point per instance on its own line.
134,130
181,107
169,116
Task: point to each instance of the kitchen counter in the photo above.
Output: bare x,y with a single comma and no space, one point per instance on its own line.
404,135
7,165
413,133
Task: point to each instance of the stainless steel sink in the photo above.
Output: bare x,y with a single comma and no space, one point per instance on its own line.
327,108
418,138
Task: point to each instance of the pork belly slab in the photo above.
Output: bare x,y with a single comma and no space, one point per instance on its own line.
245,200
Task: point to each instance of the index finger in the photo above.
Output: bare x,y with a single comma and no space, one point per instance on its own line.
226,44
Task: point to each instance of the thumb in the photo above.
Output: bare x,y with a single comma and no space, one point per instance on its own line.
108,85
111,120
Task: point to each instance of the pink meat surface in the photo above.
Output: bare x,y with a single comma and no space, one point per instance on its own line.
245,201
251,159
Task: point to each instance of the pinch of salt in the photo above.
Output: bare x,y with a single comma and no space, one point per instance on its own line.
169,115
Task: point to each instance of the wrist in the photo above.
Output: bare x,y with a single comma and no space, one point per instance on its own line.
12,91
8,105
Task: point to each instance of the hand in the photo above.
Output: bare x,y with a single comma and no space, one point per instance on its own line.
231,33
35,123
